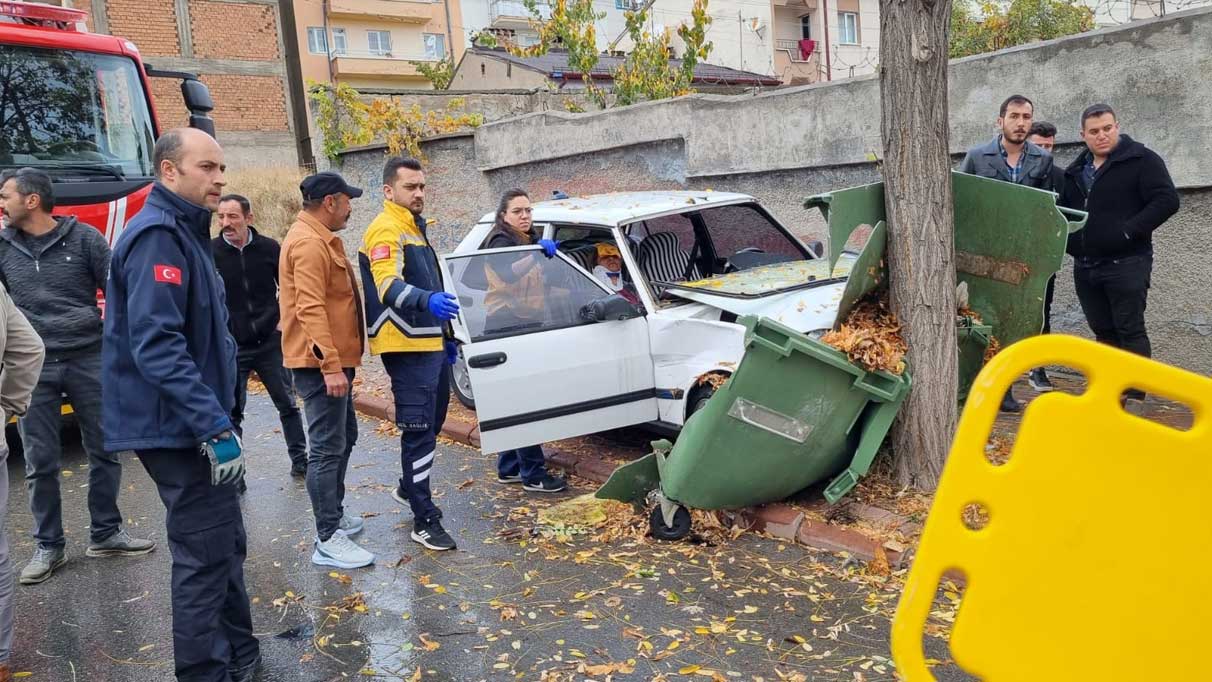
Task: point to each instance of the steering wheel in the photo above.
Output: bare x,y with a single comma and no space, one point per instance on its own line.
729,267
81,145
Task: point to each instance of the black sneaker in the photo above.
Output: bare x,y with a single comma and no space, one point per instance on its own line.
1010,404
547,484
507,480
298,470
1038,379
245,673
432,535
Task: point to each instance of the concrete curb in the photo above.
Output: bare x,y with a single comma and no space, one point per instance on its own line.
779,520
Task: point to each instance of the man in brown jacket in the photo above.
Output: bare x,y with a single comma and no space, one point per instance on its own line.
322,343
21,354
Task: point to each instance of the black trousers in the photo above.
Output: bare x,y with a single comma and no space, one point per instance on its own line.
1113,294
212,623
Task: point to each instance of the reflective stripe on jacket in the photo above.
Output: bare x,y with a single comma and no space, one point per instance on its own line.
399,273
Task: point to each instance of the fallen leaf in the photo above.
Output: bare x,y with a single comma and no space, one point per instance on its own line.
689,669
428,643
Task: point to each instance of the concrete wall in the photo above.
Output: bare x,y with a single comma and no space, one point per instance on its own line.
784,146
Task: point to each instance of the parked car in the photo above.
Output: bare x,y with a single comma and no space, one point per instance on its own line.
593,359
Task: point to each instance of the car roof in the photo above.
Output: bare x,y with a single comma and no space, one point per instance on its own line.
620,208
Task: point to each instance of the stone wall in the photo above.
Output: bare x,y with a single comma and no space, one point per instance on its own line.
782,147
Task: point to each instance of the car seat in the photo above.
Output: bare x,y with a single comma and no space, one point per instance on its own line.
662,259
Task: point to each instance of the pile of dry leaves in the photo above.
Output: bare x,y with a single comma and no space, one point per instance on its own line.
871,337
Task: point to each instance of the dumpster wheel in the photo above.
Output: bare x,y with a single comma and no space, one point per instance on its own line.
679,529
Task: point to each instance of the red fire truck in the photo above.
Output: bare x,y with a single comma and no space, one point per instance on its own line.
78,105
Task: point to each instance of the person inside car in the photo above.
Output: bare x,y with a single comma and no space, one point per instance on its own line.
610,266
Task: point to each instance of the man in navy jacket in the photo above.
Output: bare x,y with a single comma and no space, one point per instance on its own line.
169,367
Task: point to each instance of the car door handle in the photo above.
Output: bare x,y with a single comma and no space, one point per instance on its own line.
486,360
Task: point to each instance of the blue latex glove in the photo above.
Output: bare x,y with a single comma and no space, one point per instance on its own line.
549,247
442,305
226,456
452,352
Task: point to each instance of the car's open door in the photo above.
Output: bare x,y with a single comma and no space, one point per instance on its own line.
552,353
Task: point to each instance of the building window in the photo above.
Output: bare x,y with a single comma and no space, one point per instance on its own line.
806,27
316,44
627,5
435,46
847,28
379,43
338,41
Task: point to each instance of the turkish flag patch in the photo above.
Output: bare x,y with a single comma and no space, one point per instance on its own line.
167,274
380,252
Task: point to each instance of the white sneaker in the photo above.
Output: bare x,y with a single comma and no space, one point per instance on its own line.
341,552
350,525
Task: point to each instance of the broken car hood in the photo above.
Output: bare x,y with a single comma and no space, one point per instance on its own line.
771,291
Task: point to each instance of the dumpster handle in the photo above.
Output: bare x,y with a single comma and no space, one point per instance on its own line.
874,429
821,201
1079,218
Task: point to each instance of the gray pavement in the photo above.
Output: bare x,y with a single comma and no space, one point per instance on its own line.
508,605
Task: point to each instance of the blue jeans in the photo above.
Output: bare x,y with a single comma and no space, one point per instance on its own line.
212,621
78,376
332,431
421,393
266,361
526,462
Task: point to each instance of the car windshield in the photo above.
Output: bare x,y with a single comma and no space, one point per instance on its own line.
71,113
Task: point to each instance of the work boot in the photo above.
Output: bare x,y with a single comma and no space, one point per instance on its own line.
432,535
547,484
1038,379
6,673
341,552
43,564
1010,404
120,544
350,525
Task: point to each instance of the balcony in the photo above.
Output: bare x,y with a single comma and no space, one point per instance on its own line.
378,66
796,71
795,51
513,13
402,11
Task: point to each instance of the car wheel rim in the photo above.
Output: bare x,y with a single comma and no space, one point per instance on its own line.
461,378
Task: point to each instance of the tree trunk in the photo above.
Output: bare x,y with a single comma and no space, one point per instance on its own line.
921,246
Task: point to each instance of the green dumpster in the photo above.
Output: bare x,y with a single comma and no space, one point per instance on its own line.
763,436
1009,241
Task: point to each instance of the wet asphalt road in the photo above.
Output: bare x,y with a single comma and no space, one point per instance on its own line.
508,605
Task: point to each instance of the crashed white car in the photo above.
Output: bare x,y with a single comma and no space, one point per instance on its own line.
594,359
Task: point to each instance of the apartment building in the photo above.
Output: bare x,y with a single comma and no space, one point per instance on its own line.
1118,12
821,40
373,44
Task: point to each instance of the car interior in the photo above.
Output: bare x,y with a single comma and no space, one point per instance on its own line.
686,247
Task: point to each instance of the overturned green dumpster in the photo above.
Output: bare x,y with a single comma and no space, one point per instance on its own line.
797,412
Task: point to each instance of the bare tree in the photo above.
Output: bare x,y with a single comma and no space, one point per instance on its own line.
917,182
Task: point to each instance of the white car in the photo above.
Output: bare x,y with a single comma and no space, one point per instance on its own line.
590,359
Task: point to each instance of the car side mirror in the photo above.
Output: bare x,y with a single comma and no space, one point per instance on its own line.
817,247
613,307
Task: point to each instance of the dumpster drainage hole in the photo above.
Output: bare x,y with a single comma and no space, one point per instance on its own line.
1157,409
976,516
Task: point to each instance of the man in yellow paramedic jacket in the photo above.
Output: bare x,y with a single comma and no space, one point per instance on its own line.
406,312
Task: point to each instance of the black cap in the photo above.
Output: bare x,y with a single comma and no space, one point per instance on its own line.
321,185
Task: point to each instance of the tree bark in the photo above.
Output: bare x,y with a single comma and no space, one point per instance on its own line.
921,246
